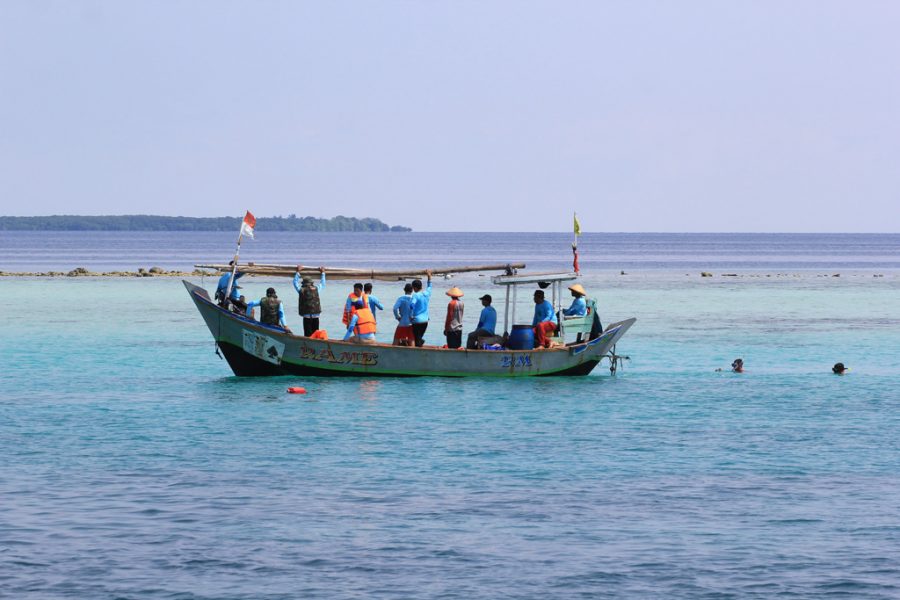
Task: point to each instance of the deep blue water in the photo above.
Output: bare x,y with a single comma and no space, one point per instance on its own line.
45,251
133,465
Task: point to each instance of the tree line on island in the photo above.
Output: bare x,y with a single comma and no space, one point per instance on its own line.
161,223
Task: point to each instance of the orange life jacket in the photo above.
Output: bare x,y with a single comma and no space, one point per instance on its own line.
352,298
365,322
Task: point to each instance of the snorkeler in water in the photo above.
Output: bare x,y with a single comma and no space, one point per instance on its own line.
737,366
839,369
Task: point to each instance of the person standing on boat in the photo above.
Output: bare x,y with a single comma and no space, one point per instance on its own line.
271,311
249,311
403,336
578,307
357,294
222,288
487,323
309,306
544,321
420,300
453,323
374,302
361,329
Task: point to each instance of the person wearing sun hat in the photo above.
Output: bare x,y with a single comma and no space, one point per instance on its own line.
579,306
453,324
309,307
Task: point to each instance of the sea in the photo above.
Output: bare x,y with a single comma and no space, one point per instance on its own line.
134,465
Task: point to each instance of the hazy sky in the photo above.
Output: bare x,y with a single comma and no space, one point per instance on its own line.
642,116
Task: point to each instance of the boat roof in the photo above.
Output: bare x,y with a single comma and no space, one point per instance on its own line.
532,278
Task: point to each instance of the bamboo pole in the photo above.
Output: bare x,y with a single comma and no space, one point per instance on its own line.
347,273
303,267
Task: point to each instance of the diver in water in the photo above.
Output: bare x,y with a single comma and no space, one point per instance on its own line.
839,369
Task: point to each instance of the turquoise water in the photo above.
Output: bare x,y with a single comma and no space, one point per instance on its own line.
133,465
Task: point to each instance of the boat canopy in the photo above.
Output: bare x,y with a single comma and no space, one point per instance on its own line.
554,281
532,278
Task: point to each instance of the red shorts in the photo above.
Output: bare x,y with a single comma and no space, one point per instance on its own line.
404,333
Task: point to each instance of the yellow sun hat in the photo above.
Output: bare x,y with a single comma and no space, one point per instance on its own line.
578,289
454,292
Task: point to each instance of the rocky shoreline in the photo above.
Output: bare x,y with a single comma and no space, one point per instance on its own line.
82,272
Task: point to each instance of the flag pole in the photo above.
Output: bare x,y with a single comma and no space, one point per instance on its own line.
247,225
576,231
234,263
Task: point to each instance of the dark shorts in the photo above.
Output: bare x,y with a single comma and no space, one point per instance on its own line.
454,339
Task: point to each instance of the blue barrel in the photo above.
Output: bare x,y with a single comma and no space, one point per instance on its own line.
521,338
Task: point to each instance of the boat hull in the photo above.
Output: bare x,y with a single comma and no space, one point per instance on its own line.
254,349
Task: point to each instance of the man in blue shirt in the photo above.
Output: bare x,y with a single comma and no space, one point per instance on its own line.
487,323
419,307
403,336
222,287
544,321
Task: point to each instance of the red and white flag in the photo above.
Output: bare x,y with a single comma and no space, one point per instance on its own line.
248,224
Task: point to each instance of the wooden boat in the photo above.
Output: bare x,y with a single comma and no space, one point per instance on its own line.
253,349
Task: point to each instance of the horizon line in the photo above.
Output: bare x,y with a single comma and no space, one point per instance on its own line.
488,231
412,230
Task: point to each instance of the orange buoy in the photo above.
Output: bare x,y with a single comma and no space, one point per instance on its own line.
296,390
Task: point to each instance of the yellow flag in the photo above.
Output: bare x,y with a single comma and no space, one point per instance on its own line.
577,224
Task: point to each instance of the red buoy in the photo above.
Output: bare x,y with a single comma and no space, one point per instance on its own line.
296,390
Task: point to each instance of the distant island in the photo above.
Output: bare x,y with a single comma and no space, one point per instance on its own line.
160,223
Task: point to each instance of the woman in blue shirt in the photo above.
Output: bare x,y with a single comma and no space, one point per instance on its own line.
579,306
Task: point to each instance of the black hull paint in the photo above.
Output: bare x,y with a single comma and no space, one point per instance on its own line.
247,365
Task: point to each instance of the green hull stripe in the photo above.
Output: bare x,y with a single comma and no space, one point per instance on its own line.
350,369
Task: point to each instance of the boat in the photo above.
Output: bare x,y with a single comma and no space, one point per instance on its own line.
256,349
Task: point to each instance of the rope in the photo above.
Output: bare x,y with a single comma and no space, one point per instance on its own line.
218,333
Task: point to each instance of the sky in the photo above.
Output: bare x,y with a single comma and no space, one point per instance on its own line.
457,116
